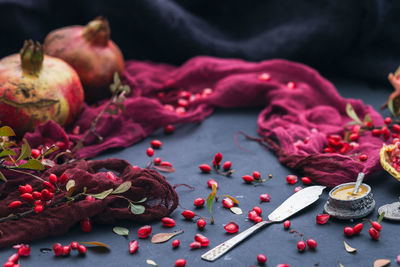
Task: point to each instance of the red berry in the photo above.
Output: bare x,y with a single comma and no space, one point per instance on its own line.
168,222
377,226
63,179
264,77
363,157
169,129
27,197
297,189
258,219
15,204
74,245
210,182
396,128
165,164
53,178
291,179
66,250
180,263
358,228
252,215
38,209
265,197
385,132
227,203
291,85
258,210
8,264
261,258
306,180
176,243
57,248
199,202
217,158
82,250
286,224
205,168
48,185
354,136
195,245
21,189
14,257
231,228
256,175
388,120
301,246
144,231
227,165
46,195
133,246
374,233
312,244
28,189
201,223
24,250
348,231
322,218
376,132
90,198
204,241
283,265
157,161
188,214
156,144
248,179
185,94
35,153
150,151
86,225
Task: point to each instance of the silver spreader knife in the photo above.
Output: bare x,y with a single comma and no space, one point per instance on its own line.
293,204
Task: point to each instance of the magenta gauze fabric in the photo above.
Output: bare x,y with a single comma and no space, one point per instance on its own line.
312,109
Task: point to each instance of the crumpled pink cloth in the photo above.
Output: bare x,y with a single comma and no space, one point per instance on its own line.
312,109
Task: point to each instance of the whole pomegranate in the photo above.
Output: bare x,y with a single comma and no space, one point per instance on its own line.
89,50
35,88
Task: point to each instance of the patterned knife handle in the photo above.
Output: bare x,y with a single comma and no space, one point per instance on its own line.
221,249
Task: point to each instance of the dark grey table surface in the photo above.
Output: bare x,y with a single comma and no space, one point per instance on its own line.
194,144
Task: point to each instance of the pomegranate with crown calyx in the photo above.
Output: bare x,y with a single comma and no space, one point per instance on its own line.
90,51
35,88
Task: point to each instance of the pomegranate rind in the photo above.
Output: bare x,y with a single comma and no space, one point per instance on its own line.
385,158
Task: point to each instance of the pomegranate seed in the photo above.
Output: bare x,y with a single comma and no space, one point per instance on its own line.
301,246
322,218
90,198
176,243
348,231
312,244
169,107
201,223
63,179
291,85
157,161
150,151
248,179
231,228
169,129
388,121
15,204
217,158
204,241
385,132
180,110
183,103
38,209
227,165
396,128
291,179
199,202
286,224
252,215
24,250
53,178
76,130
188,214
261,258
168,222
377,226
8,264
265,197
374,233
227,203
14,257
165,164
180,263
144,231
156,144
354,136
283,265
74,245
27,197
86,225
358,228
185,94
82,250
258,219
57,248
297,189
306,180
133,246
35,153
256,175
66,250
210,182
258,210
264,77
111,176
195,245
205,168
363,157
376,132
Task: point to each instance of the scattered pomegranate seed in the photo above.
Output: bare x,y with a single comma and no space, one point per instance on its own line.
180,263
388,121
169,129
286,224
374,233
157,161
396,128
9,264
133,246
35,153
57,248
15,204
53,178
258,210
82,250
256,175
358,228
217,158
247,179
210,182
227,203
199,202
188,214
312,244
156,144
258,219
377,226
322,218
201,223
306,180
264,77
385,132
66,250
291,179
283,265
291,85
86,225
168,222
363,157
265,197
204,241
150,151
144,231
348,231
14,257
176,243
297,189
205,168
195,245
301,246
227,165
261,258
231,228
354,136
24,250
252,215
74,245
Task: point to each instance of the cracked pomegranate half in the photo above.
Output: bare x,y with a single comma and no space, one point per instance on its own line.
390,159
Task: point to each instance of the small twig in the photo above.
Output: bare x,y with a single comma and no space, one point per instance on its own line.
14,170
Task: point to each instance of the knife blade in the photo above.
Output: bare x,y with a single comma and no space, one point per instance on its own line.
290,206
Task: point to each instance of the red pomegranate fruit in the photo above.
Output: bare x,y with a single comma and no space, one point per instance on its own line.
89,50
35,88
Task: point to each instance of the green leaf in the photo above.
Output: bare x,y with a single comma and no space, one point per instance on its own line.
70,184
391,108
7,152
367,118
6,131
352,114
137,209
32,164
50,150
381,217
25,150
231,198
122,188
142,200
103,194
210,201
2,177
236,210
121,231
